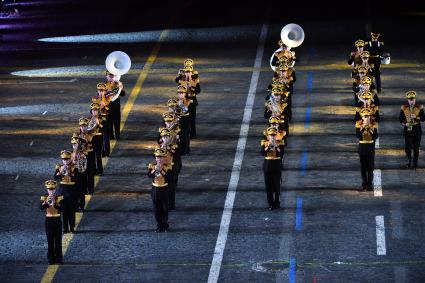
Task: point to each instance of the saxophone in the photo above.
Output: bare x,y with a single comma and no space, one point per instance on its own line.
410,120
81,162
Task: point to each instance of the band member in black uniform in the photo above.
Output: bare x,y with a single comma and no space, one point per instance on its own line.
79,159
172,124
355,56
51,204
190,79
114,92
89,152
103,100
276,106
66,173
367,133
187,106
159,172
94,128
283,54
272,150
363,83
374,98
411,116
366,99
376,50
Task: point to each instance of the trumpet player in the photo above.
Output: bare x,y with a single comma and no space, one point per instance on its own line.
367,133
190,79
79,159
103,100
358,102
411,116
94,128
355,56
115,90
276,106
272,150
187,106
363,83
51,204
66,173
159,172
376,50
88,150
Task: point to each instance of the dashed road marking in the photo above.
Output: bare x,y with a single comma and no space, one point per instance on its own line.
44,113
17,177
380,235
377,183
31,143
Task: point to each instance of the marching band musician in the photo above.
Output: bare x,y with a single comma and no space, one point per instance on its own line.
89,152
376,50
159,172
374,97
283,54
171,123
51,204
79,159
362,82
187,106
366,99
367,133
276,106
272,150
355,56
66,173
114,92
94,128
411,116
171,159
190,79
103,101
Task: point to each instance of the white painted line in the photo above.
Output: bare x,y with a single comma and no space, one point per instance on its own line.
44,113
31,143
377,143
380,235
37,82
377,183
17,177
237,164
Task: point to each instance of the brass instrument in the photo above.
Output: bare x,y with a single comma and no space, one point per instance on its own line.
51,200
274,107
80,161
409,119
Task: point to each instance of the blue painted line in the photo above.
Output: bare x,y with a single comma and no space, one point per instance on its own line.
303,162
299,214
310,77
292,270
307,118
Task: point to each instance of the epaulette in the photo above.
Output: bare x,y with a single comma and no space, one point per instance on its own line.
57,167
160,129
59,198
404,107
263,142
174,146
167,167
419,106
358,109
376,108
43,198
151,166
359,124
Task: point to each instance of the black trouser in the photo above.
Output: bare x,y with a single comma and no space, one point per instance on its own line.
377,72
367,163
68,206
160,206
82,190
172,187
115,118
192,118
412,141
54,239
106,132
97,143
272,174
185,135
91,166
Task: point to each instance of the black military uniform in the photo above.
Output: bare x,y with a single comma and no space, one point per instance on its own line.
187,108
94,128
283,54
172,124
67,175
160,175
89,152
355,57
114,107
51,204
376,50
367,134
193,87
411,116
272,167
79,159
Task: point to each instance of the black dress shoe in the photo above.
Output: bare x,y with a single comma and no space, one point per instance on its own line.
270,207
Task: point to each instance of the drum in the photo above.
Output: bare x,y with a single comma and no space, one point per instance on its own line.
385,59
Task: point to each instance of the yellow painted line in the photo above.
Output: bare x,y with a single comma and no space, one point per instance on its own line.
66,240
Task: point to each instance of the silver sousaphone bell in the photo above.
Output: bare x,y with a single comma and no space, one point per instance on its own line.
118,63
385,58
292,36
